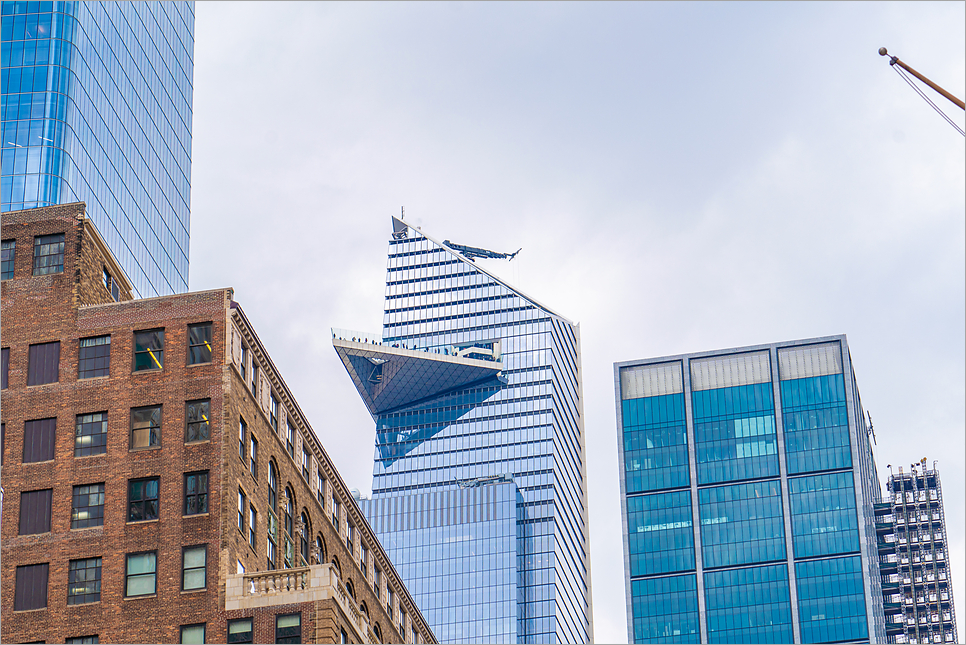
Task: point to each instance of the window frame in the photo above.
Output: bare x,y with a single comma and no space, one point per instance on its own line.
242,510
77,495
204,631
288,638
35,511
44,243
253,455
145,501
252,526
152,434
43,363
24,586
198,476
8,261
98,439
42,434
71,573
128,575
203,345
273,411
251,630
242,438
158,360
290,439
306,462
4,368
185,570
205,421
94,348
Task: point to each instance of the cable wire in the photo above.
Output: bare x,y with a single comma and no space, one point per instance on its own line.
908,80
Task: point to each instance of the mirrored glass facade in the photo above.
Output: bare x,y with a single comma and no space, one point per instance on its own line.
475,392
747,490
96,107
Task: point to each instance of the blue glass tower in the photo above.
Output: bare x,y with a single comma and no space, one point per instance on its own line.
96,107
747,492
479,487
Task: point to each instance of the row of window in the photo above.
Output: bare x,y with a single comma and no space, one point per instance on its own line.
94,355
48,255
87,503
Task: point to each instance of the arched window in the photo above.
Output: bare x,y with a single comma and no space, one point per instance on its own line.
364,609
304,537
289,511
320,547
377,631
272,487
350,589
338,567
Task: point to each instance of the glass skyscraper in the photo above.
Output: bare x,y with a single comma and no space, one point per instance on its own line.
479,484
747,494
96,107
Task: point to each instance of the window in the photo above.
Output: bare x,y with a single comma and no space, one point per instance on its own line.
8,252
335,512
288,628
149,350
273,412
90,437
252,517
38,440
196,414
84,581
35,511
240,631
146,427
196,493
199,344
364,561
48,254
193,567
389,604
289,511
31,589
241,510
255,379
94,357
140,576
350,537
193,633
81,640
87,508
272,554
253,456
43,363
244,360
306,461
304,537
142,496
321,491
402,622
343,637
242,429
290,440
320,549
272,486
377,582
4,367
112,286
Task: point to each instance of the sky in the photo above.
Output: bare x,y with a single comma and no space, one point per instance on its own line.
680,176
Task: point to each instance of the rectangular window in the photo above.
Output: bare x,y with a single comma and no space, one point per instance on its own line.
240,631
194,634
273,412
377,582
8,252
146,427
272,551
94,357
193,567
199,344
140,576
84,581
290,440
244,360
196,493
149,350
350,535
253,455
321,491
35,511
43,363
288,628
49,254
87,508
90,436
38,440
4,367
364,561
255,379
196,414
31,587
389,604
343,637
241,510
335,512
252,517
82,640
241,439
142,499
112,286
306,462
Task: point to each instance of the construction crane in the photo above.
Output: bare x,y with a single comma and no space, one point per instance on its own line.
470,252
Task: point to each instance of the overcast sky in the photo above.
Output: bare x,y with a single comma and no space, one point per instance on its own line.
681,177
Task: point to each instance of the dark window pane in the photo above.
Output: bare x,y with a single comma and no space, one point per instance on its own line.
142,499
141,574
90,437
87,508
31,589
84,581
199,344
148,350
146,427
48,254
197,414
288,628
196,493
9,249
38,440
240,631
4,367
35,511
82,639
43,363
94,357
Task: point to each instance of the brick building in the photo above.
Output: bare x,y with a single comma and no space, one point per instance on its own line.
160,482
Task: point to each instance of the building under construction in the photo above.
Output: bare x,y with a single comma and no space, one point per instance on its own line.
914,558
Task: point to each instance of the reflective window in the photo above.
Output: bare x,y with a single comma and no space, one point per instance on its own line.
90,435
741,524
655,443
146,427
831,600
84,581
824,521
49,254
142,499
199,343
148,350
196,493
87,508
196,415
816,424
94,357
749,605
6,263
661,536
665,610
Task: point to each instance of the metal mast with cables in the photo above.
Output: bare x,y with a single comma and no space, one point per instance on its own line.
899,66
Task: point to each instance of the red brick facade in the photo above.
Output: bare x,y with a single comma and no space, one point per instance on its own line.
75,304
